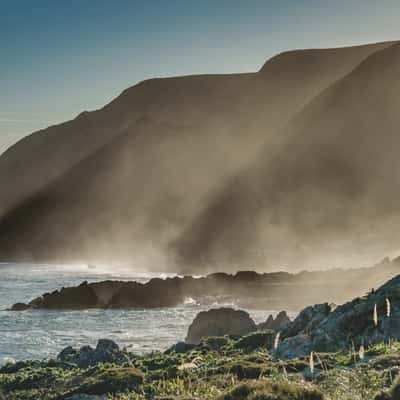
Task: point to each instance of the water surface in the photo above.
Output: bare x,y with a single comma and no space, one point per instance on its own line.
36,334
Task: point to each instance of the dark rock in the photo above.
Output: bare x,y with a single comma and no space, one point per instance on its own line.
86,357
247,276
106,346
20,307
293,347
79,297
277,324
67,354
248,288
219,322
105,351
180,347
317,328
307,319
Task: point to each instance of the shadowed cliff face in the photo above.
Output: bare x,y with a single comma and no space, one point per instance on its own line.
218,170
329,190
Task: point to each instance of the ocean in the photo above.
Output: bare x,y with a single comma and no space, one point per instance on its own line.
37,334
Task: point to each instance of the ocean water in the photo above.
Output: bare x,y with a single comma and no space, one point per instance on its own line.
35,334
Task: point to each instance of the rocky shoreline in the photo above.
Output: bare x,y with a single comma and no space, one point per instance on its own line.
364,321
325,353
247,289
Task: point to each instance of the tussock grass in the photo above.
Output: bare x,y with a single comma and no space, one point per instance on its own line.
269,390
223,370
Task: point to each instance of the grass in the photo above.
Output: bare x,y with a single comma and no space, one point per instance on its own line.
220,369
270,390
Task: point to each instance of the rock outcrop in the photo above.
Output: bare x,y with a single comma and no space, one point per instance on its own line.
317,328
105,351
277,324
220,322
248,289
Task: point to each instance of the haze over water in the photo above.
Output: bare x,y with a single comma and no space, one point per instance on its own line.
36,334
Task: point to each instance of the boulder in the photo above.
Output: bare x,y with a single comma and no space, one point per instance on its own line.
67,354
105,351
220,322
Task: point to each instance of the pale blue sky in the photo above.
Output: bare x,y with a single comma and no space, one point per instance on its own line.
58,58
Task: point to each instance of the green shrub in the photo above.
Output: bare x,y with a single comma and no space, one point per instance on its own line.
268,390
256,340
111,380
393,394
215,342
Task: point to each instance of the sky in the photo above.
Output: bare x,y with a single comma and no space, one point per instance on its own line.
59,58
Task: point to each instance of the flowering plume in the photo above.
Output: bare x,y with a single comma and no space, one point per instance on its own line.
312,362
375,316
388,308
276,341
361,352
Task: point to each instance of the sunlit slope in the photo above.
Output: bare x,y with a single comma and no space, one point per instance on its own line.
330,191
130,178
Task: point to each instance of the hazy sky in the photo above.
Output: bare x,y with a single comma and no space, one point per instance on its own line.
58,58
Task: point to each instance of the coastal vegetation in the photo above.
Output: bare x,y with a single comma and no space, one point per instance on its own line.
219,368
346,352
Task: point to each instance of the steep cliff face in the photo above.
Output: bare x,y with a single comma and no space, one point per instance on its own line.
155,164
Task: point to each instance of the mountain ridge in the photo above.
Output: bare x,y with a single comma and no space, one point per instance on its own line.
244,115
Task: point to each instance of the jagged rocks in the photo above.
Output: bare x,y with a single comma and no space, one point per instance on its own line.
248,289
319,329
220,322
277,324
105,351
226,321
308,318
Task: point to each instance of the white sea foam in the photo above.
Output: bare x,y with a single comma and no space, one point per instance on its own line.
40,333
189,300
